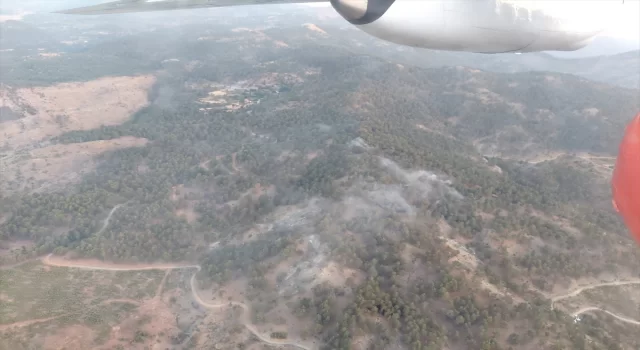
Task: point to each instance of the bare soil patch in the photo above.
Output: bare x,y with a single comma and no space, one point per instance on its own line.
53,260
312,155
337,275
7,248
188,214
20,324
361,342
72,337
315,28
232,291
50,111
185,202
464,256
57,165
30,162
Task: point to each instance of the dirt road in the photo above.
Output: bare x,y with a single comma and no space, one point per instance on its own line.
104,266
245,320
579,290
105,223
93,264
4,327
592,308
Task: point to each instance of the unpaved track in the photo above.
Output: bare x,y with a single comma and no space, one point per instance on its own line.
105,266
27,323
579,290
246,319
59,262
592,308
105,223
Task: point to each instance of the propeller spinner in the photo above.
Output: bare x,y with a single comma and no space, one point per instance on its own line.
484,26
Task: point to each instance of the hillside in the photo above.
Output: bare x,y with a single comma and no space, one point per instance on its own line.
263,187
621,69
603,45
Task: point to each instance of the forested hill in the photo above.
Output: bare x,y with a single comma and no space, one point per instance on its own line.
510,114
621,69
373,202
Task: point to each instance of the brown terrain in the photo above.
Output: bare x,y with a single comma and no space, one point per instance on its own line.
149,305
53,110
50,166
30,162
156,309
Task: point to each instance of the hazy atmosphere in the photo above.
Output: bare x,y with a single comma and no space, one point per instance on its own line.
269,177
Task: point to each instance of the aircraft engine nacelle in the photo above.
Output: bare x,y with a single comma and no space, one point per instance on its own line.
485,26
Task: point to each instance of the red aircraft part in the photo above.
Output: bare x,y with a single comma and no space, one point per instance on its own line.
626,178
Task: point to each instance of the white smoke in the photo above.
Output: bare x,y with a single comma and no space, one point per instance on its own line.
364,204
304,274
425,183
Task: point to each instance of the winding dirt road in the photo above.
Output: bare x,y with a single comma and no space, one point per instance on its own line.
19,324
592,308
579,290
92,264
104,266
246,322
105,223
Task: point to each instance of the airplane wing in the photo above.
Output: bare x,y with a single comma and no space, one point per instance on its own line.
128,6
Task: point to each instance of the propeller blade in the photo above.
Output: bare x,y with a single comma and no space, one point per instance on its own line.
129,6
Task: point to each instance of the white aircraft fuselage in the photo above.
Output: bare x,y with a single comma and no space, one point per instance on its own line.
485,26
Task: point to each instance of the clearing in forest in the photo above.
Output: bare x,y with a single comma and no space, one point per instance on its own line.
52,110
52,307
38,114
62,164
